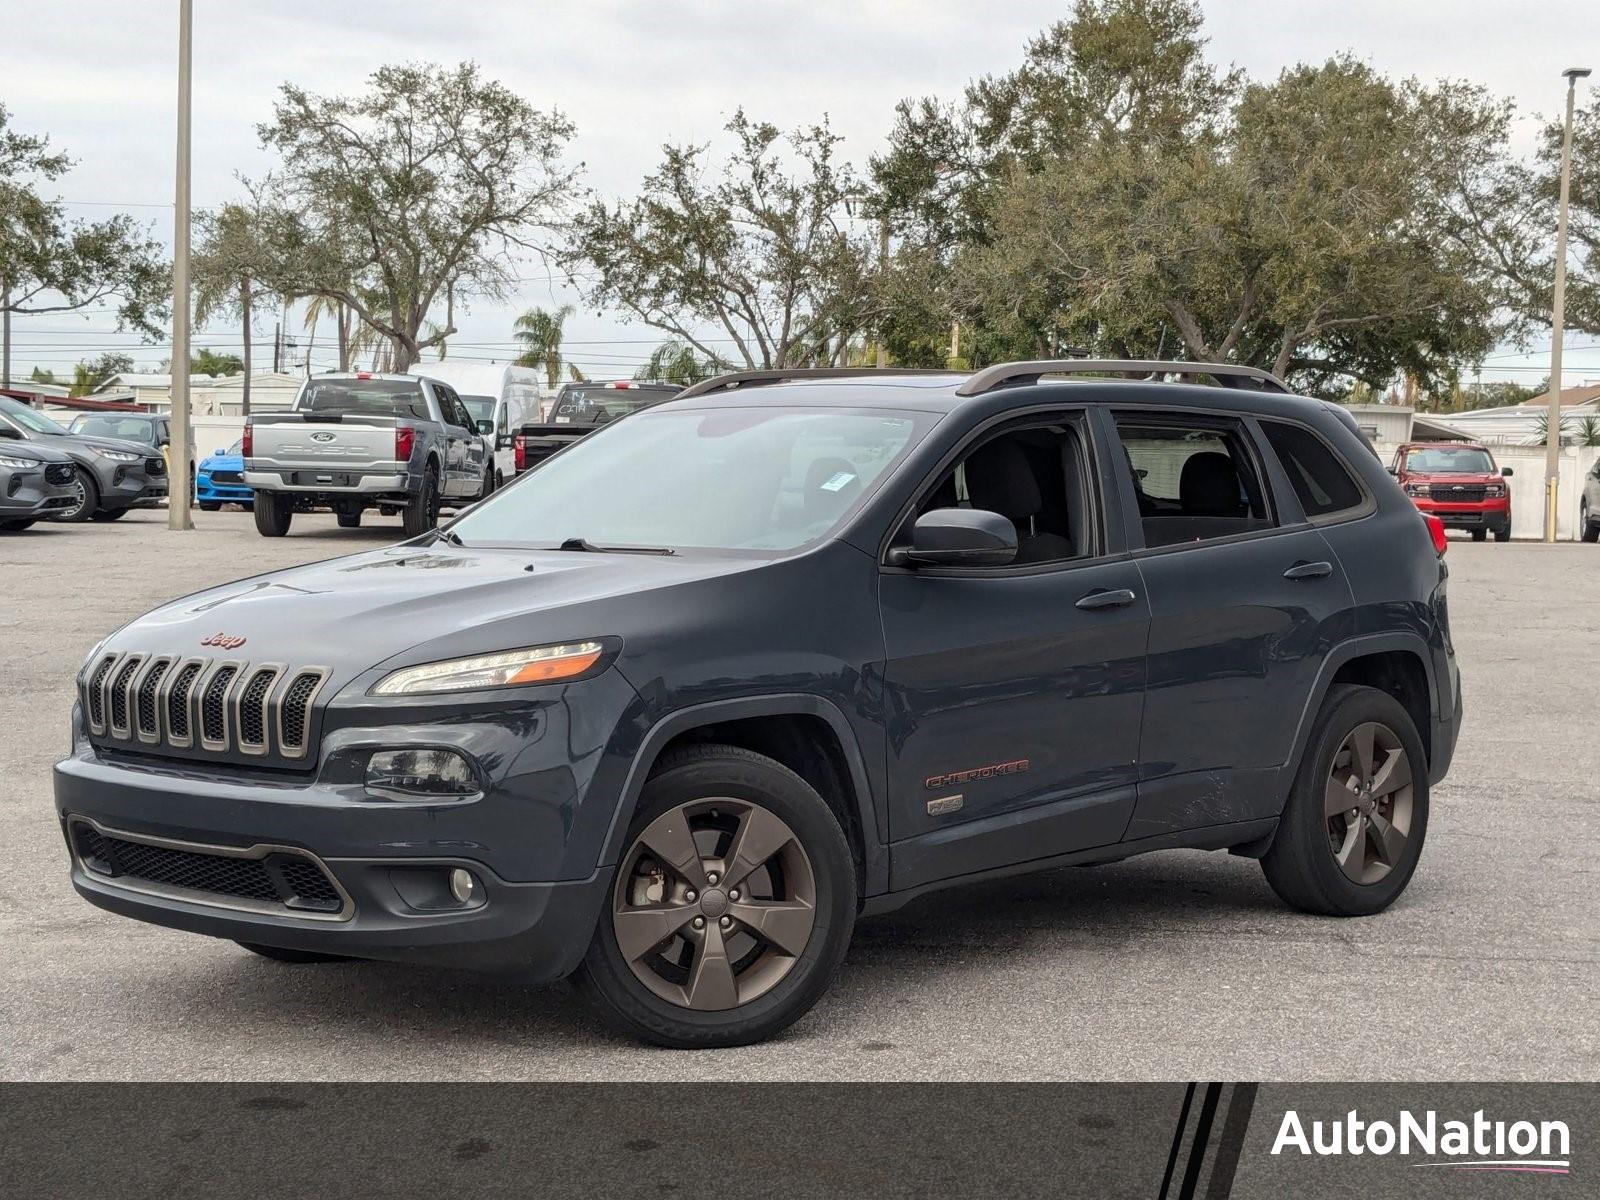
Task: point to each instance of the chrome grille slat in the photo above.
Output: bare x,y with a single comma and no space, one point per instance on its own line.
155,702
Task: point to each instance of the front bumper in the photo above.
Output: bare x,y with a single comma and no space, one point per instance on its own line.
207,489
1489,514
128,485
27,497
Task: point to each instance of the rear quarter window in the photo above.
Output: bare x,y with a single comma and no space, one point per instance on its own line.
1322,482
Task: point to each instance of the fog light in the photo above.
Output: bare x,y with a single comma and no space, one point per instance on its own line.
420,775
462,885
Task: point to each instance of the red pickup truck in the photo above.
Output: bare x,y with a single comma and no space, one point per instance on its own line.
1458,483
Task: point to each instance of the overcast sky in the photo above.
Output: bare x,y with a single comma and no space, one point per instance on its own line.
99,78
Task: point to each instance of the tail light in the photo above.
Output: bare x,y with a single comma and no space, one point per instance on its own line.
247,444
1436,531
520,448
405,440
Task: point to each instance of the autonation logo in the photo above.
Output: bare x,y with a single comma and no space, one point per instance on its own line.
1478,1144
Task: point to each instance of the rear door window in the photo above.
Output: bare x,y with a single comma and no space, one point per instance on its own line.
1321,481
1194,478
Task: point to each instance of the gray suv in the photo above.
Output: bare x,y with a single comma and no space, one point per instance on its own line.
1589,506
35,481
110,475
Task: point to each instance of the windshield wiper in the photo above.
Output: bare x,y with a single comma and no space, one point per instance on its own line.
588,547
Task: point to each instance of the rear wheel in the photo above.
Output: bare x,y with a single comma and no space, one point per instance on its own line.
273,514
731,908
1352,831
487,489
422,514
86,502
281,954
1588,527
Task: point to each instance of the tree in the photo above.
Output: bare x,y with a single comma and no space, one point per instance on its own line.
539,332
1583,213
757,250
676,362
1299,241
233,266
50,264
86,376
208,362
420,190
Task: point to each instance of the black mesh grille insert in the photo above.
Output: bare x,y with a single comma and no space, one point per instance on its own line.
213,706
284,879
178,701
226,477
252,708
155,466
295,709
119,693
58,473
148,712
96,698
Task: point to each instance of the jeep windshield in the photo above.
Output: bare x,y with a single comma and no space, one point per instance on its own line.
752,480
372,397
1450,461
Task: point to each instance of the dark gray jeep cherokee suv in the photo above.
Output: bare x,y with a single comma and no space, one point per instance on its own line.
675,708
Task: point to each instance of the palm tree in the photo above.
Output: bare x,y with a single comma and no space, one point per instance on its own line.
344,320
676,362
1589,431
540,334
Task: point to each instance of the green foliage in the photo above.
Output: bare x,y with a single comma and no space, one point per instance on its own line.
676,362
50,264
86,376
209,362
422,189
1587,432
540,334
757,248
1583,220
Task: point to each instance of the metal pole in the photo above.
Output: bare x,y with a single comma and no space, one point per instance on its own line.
883,265
1552,445
182,436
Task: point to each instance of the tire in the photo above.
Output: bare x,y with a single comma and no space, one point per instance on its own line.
16,526
109,514
349,520
88,499
487,489
273,514
1301,864
781,985
1503,534
1588,529
422,514
1480,535
283,955
209,506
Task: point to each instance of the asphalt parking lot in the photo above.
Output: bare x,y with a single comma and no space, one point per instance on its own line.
1179,964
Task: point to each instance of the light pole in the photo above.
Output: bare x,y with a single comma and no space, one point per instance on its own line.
178,457
1552,446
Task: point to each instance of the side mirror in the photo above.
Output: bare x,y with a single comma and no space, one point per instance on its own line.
958,537
503,442
1507,472
220,451
1395,471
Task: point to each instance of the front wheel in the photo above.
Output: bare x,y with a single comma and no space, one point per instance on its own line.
1588,527
1503,533
85,503
273,514
1352,831
422,514
731,908
1480,535
16,526
109,514
209,506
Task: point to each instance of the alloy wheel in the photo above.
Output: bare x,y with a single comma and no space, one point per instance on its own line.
1368,802
714,903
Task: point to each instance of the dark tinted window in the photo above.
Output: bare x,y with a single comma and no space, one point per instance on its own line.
1194,479
1321,481
599,403
382,397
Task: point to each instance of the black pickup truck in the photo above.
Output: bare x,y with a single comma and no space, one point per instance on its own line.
580,409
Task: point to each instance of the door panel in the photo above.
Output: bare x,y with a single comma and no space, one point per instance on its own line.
1235,645
1004,693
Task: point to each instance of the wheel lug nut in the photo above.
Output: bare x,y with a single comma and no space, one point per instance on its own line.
712,878
733,895
690,896
699,922
725,922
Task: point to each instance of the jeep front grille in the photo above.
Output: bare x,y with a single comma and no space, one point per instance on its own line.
216,706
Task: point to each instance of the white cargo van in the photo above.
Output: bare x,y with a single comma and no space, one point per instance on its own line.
500,398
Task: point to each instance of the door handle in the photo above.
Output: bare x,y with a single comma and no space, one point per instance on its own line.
1116,598
1309,570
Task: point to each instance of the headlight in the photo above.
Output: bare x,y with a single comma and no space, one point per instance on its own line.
420,775
119,455
21,464
1417,489
513,668
1494,490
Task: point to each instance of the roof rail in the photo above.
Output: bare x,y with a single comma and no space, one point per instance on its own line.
739,379
1227,374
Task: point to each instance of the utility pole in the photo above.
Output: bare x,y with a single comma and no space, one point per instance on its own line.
182,437
277,346
1552,444
883,264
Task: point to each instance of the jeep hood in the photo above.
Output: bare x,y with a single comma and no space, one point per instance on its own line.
412,604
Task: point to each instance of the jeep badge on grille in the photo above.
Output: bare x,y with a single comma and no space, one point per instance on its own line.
224,641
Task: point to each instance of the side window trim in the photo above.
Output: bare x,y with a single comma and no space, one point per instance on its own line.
1077,418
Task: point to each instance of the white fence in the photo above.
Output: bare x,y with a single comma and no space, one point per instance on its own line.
1527,488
